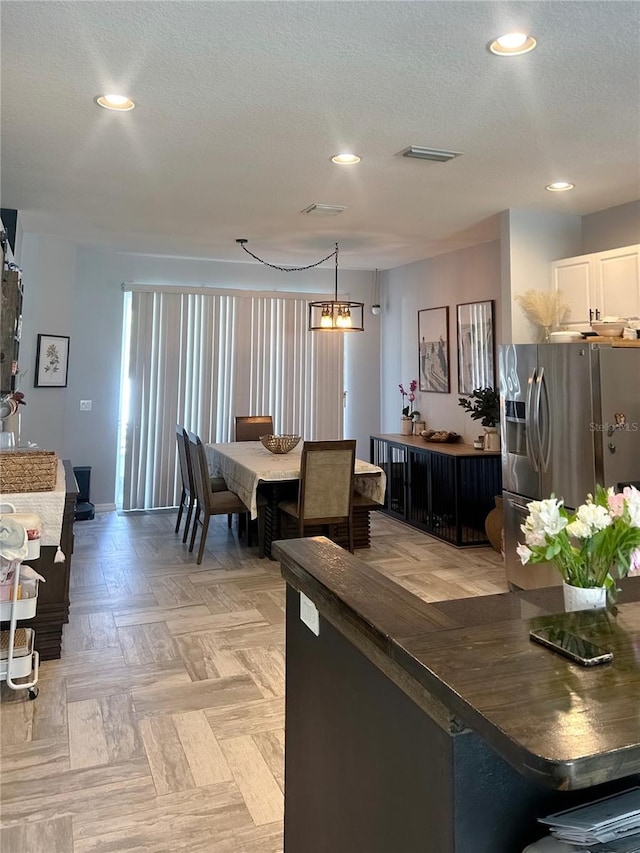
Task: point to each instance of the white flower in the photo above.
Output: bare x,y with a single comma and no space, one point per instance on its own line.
632,499
579,529
534,538
524,553
544,517
594,516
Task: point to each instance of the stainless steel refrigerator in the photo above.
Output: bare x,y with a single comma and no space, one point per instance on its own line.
570,418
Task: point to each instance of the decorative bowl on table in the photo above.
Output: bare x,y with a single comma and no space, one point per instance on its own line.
280,443
608,329
440,435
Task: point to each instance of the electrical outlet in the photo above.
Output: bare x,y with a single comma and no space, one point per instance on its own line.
85,405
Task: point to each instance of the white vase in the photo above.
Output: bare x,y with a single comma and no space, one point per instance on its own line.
406,426
491,439
579,598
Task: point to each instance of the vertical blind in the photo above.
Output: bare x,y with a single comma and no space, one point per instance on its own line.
199,359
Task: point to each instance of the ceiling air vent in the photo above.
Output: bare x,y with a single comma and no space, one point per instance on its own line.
323,209
434,154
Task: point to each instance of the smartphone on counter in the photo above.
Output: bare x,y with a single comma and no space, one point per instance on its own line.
571,646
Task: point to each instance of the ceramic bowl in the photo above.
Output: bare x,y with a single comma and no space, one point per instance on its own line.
608,330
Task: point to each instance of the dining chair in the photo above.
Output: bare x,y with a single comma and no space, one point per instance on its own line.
251,427
325,493
188,496
208,502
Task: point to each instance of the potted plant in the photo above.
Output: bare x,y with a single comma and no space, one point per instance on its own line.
484,406
409,415
590,547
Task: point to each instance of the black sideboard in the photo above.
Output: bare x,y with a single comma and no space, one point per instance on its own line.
446,490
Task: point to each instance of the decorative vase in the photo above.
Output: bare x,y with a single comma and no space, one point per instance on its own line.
11,425
406,425
493,525
579,598
418,427
491,439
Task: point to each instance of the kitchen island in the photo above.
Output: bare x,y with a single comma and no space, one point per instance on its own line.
440,728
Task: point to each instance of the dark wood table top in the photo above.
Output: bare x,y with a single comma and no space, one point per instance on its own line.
455,448
565,725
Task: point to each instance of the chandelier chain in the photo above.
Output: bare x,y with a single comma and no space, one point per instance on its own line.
289,269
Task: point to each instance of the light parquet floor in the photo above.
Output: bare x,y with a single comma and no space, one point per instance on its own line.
161,728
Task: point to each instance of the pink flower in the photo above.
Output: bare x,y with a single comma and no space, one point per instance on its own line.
413,386
616,504
412,397
634,564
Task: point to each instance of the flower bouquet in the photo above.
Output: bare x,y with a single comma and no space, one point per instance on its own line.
591,547
409,415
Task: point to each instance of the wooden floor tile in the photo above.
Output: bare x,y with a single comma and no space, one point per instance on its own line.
45,836
255,780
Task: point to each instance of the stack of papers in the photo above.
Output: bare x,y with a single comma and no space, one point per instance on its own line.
610,825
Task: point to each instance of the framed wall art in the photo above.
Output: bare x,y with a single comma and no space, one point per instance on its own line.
433,350
476,346
52,361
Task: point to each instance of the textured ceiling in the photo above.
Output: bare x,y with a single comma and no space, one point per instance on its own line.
240,105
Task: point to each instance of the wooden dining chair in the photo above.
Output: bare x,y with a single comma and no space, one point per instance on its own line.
251,427
325,493
208,502
188,495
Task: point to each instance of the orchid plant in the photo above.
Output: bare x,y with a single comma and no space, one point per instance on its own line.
408,411
601,537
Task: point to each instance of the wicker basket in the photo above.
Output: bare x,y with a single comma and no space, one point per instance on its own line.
280,443
28,470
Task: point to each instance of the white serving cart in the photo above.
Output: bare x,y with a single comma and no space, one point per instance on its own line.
18,656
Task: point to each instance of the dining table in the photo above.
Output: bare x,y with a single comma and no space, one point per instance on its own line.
262,479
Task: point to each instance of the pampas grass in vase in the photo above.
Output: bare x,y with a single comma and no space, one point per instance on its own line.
544,308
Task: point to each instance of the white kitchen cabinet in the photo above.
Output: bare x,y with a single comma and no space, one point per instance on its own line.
601,284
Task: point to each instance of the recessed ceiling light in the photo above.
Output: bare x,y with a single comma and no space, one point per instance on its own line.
345,159
560,187
115,102
512,44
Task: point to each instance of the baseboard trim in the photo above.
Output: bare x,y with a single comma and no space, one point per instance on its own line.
105,507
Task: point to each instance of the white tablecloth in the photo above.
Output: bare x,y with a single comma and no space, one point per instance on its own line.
244,464
48,505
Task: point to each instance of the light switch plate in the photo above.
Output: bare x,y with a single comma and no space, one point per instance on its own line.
309,614
85,405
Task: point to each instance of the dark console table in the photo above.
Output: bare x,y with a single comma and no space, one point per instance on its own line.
53,596
446,490
414,727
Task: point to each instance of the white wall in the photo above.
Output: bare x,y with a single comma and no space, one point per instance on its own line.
468,275
612,228
530,240
76,291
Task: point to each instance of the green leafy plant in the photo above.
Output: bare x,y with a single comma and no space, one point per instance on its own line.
601,537
483,404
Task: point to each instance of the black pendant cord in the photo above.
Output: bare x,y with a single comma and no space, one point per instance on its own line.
242,241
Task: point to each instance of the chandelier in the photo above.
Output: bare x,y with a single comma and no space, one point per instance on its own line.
327,315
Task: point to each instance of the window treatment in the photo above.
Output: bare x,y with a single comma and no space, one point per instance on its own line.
199,359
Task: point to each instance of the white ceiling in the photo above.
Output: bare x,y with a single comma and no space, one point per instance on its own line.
241,104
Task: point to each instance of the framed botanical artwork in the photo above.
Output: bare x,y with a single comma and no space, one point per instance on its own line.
52,361
476,346
433,350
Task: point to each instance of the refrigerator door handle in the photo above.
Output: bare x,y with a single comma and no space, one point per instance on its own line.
531,456
536,417
545,452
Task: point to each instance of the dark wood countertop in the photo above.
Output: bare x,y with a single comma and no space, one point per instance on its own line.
456,448
564,725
